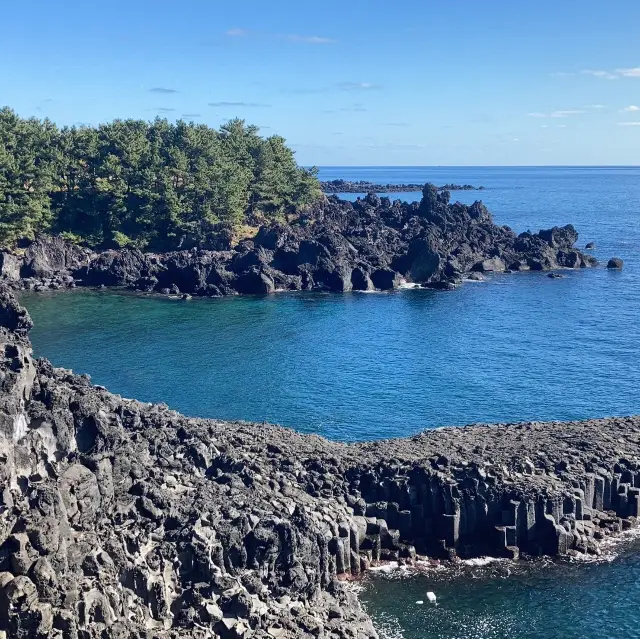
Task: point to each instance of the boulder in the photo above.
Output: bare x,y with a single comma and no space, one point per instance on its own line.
560,237
490,265
615,263
254,282
52,254
10,266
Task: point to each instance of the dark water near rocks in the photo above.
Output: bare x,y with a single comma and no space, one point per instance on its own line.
366,366
503,601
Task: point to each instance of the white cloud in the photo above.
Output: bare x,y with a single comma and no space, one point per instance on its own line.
357,86
605,75
291,37
561,126
630,109
631,72
555,114
308,39
634,72
629,123
597,106
565,114
544,126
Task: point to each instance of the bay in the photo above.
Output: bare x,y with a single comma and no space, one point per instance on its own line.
368,366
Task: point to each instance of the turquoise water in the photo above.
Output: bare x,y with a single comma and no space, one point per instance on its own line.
366,366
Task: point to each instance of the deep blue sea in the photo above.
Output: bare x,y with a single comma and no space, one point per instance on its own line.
365,366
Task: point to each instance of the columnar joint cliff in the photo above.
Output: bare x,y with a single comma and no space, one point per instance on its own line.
124,519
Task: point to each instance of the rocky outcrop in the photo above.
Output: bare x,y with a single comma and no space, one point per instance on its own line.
364,186
124,519
615,263
338,246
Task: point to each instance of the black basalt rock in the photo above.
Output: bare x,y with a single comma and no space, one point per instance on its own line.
615,263
333,245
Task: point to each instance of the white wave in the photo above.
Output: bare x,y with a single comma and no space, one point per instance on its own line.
482,561
610,547
385,568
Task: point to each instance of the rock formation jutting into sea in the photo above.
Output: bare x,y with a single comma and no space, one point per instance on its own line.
125,519
371,244
363,186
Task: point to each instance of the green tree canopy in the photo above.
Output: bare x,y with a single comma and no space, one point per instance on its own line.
145,184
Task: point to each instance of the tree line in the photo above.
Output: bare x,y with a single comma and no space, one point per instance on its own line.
154,185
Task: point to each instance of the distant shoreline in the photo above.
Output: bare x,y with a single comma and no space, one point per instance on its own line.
364,186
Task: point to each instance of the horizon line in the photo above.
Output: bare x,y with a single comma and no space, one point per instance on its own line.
480,166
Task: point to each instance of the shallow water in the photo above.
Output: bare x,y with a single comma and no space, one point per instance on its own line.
367,366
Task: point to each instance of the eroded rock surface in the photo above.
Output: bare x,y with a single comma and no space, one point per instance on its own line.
340,246
125,519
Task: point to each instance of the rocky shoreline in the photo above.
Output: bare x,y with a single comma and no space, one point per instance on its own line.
363,186
125,519
372,244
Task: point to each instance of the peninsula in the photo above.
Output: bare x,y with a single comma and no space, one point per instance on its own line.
364,186
334,245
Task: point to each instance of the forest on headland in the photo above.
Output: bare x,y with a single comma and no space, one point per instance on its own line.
152,185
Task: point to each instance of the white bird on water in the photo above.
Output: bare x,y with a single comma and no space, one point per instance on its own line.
431,596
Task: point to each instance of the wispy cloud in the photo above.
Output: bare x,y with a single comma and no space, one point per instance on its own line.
629,123
191,115
556,114
340,86
292,37
565,114
597,106
357,86
237,33
289,37
356,107
630,109
630,72
164,110
164,90
634,72
597,73
399,124
239,104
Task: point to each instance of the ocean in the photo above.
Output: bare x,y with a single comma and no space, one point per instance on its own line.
376,365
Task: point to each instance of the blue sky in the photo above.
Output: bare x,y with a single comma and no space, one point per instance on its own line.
410,82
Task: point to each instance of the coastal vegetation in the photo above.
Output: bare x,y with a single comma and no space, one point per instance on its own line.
149,185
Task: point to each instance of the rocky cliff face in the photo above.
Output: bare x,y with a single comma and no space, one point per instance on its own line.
339,246
124,519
